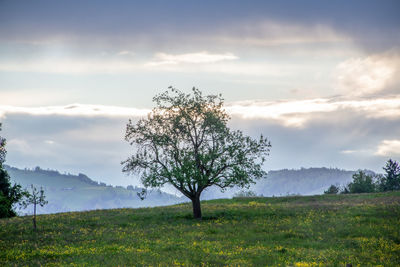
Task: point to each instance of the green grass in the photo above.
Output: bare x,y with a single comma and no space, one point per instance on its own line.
362,229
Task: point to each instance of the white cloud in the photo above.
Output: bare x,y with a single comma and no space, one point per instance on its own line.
71,66
193,58
296,113
388,148
75,110
125,53
188,63
348,151
252,69
273,33
290,113
368,75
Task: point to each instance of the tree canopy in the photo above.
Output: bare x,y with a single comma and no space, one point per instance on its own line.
9,195
185,141
391,180
362,183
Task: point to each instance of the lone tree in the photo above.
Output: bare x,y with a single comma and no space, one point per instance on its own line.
35,197
185,142
9,194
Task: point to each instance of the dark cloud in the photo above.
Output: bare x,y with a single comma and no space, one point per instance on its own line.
373,24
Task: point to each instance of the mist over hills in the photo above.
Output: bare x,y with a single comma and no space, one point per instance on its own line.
311,181
67,192
304,181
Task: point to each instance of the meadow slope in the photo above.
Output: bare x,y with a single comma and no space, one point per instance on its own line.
362,229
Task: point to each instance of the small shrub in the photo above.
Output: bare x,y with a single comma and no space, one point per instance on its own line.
244,193
333,189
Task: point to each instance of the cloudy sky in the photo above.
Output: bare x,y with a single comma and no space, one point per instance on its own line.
319,78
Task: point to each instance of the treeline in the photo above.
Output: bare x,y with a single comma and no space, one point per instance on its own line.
81,177
364,182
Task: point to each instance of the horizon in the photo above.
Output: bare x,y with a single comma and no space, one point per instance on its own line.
320,80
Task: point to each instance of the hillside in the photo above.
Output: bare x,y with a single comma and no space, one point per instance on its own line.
327,230
67,192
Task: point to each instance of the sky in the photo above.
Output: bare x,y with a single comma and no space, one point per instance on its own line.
320,79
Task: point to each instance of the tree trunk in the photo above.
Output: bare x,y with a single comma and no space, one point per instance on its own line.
34,216
196,207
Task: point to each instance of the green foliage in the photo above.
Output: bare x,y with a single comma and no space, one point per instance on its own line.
362,183
185,142
333,189
391,180
326,230
9,194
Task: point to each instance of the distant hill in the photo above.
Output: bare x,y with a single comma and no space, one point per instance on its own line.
310,181
304,181
67,192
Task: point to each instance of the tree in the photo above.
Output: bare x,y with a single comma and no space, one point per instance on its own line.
185,142
362,183
35,197
333,189
391,180
9,195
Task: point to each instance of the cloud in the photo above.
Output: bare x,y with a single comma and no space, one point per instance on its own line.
185,63
290,113
348,151
192,58
203,62
125,53
90,138
75,110
251,69
71,66
296,113
275,33
388,148
368,75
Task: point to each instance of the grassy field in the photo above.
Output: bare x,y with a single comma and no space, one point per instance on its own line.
362,229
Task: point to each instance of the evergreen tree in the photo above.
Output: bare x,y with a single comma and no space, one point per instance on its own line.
391,180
